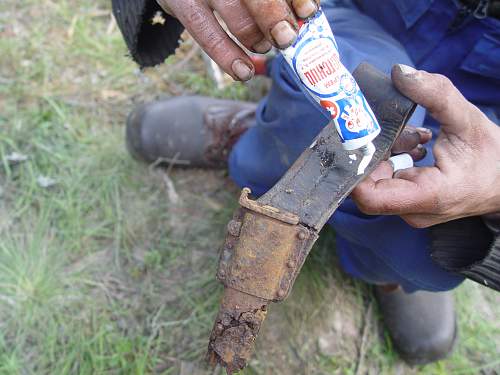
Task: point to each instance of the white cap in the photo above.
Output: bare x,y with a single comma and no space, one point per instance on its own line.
400,162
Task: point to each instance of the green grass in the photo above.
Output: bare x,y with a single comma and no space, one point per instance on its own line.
100,273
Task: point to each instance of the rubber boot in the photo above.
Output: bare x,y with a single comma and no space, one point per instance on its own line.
422,325
191,131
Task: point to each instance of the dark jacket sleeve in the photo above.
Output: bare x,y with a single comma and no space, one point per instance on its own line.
149,44
470,247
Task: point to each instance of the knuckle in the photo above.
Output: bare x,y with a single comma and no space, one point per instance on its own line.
210,38
386,206
415,222
439,89
196,18
477,121
434,201
364,208
271,12
439,205
444,83
227,3
444,88
214,42
247,33
439,202
299,3
410,221
368,205
407,141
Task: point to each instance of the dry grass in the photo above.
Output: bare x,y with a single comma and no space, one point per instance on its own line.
101,273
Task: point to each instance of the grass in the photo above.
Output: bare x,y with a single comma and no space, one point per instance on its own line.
100,273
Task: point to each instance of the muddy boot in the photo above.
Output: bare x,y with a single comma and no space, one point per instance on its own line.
192,131
422,325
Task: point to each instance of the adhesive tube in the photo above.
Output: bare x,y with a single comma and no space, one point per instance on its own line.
315,58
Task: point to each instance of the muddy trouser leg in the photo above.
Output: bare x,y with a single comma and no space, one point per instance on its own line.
374,249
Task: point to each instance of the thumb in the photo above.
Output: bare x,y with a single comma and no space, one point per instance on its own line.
438,95
411,191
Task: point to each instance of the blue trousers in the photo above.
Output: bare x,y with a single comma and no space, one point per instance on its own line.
376,249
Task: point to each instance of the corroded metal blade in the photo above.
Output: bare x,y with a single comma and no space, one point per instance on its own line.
269,240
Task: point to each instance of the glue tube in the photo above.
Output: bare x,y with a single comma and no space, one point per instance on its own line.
315,58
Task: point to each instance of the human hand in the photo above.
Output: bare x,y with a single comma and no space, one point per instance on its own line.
256,24
465,180
411,141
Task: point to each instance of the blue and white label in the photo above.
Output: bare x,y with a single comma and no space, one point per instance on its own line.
315,59
317,63
355,120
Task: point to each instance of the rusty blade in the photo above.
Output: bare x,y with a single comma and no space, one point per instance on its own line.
269,239
235,330
264,250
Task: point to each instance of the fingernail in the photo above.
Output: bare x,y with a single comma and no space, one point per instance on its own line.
407,70
284,34
305,9
242,70
263,46
422,150
425,130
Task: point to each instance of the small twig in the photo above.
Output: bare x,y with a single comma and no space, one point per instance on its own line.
214,71
5,80
8,300
71,30
364,339
165,366
98,13
189,56
74,102
154,321
111,25
173,163
170,161
172,194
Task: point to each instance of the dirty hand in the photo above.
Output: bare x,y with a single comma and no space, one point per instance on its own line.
255,24
411,141
465,180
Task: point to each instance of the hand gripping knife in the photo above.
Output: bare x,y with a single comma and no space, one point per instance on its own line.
268,239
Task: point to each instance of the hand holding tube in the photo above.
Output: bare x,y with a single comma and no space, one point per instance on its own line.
256,24
465,180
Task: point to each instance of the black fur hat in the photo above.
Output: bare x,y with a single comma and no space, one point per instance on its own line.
149,42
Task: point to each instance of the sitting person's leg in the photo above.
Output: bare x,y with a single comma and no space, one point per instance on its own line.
287,123
378,250
386,250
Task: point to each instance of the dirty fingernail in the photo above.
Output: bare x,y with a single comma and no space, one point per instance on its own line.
284,34
425,130
242,70
263,46
406,70
422,152
305,9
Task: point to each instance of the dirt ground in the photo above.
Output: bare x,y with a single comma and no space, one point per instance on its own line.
107,266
